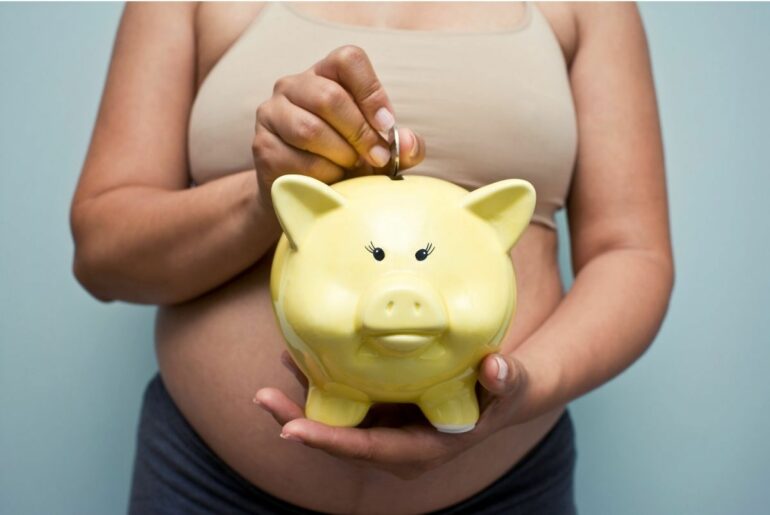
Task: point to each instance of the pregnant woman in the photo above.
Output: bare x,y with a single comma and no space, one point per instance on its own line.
206,105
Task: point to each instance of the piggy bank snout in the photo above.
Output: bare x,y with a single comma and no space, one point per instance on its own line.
403,305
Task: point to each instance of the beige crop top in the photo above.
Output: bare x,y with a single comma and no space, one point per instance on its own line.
490,105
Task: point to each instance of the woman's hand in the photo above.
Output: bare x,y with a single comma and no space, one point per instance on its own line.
324,122
399,439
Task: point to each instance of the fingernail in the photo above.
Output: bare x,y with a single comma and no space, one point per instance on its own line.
257,402
415,144
290,436
359,162
380,155
502,369
384,119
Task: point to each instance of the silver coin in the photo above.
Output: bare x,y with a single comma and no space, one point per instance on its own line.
395,152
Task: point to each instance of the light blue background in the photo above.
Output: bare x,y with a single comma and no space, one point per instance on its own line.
684,431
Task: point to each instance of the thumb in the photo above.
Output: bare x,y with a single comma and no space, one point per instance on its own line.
502,374
412,148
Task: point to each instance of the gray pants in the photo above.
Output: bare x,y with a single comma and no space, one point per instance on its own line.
175,472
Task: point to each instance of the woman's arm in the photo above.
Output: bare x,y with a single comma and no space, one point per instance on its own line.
141,234
618,219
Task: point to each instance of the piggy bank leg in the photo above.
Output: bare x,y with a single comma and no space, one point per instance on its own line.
452,406
336,405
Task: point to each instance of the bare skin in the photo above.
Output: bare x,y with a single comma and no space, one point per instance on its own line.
204,255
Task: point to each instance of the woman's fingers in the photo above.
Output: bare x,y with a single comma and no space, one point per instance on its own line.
278,405
273,158
411,152
330,101
350,66
305,130
329,121
406,451
412,148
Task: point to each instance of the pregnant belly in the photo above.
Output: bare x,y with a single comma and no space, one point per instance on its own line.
214,353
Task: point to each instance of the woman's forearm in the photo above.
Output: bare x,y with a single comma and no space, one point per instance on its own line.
605,322
149,245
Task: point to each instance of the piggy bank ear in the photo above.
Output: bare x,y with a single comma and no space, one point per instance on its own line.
299,201
505,205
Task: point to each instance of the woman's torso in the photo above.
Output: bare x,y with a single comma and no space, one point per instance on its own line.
216,351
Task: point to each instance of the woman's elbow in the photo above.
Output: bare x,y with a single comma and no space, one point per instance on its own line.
88,270
105,279
92,264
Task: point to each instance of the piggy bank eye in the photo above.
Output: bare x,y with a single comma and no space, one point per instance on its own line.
423,253
377,252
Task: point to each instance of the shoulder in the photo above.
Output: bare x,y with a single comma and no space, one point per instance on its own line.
217,26
573,22
607,20
161,10
592,12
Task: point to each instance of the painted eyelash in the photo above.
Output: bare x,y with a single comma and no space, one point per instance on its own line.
377,252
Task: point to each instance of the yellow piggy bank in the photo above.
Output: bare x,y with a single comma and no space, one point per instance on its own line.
395,290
